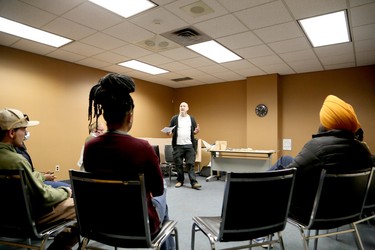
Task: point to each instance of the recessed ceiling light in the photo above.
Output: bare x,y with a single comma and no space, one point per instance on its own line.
327,29
214,51
140,66
126,8
30,33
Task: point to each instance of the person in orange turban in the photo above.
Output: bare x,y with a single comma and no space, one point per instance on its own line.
337,114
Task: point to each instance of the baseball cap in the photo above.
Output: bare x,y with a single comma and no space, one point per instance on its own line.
13,118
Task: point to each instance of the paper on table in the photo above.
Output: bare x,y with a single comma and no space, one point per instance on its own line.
208,146
167,129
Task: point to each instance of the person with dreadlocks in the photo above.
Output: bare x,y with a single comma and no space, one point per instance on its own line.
111,98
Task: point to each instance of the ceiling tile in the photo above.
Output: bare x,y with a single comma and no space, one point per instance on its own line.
241,40
279,32
298,56
68,29
82,49
306,8
66,56
221,26
254,51
363,14
93,16
159,21
275,12
128,32
103,41
291,45
55,7
24,13
264,32
132,51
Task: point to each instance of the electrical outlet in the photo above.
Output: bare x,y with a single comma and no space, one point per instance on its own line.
57,168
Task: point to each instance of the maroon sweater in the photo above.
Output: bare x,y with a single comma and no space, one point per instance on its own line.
128,156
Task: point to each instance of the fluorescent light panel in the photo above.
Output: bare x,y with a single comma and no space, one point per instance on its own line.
214,51
125,8
326,29
140,66
30,33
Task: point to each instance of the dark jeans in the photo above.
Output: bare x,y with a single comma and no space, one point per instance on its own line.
57,184
282,163
160,204
187,153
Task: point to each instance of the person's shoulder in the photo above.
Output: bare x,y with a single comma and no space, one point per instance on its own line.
174,119
145,143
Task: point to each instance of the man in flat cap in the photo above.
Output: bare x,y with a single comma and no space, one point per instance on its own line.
334,147
57,204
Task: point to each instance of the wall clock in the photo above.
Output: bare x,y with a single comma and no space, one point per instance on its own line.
261,110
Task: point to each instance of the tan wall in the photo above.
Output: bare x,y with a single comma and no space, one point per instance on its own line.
302,96
263,132
56,93
220,111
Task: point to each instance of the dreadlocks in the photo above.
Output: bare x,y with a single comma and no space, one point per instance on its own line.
111,98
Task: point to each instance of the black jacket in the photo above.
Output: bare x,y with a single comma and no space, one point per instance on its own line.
334,150
174,122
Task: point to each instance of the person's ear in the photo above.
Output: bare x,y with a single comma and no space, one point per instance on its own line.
129,117
12,133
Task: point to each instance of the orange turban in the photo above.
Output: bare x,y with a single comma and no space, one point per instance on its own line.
337,114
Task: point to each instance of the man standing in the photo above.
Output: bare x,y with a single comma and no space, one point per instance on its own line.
184,146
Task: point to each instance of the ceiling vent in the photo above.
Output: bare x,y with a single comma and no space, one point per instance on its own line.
186,36
182,79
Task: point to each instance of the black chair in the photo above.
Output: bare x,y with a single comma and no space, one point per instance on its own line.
157,151
368,212
244,219
168,165
17,222
338,202
113,211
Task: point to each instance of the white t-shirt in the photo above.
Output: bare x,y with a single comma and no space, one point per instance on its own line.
184,130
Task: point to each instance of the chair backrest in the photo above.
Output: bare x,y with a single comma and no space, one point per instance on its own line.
111,210
370,198
339,199
16,219
255,204
157,151
168,153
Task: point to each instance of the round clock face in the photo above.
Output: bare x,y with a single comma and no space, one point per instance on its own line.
261,110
